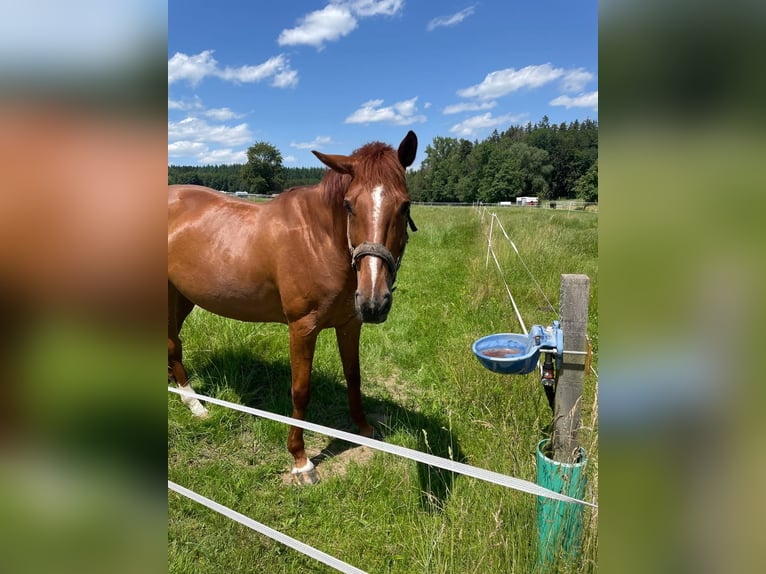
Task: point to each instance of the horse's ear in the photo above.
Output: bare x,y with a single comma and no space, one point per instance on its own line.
339,163
408,148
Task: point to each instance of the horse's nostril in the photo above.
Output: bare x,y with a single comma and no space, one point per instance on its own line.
385,304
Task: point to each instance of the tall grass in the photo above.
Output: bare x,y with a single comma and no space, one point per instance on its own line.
423,388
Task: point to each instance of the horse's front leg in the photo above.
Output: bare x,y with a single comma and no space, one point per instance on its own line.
302,344
348,345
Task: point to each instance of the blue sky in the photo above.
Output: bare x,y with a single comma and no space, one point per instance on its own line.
332,75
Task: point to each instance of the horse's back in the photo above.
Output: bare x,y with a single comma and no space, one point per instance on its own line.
186,199
183,191
219,254
270,261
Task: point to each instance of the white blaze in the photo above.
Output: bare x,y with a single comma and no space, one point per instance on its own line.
377,203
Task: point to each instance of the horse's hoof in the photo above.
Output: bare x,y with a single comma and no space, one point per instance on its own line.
305,478
307,474
199,411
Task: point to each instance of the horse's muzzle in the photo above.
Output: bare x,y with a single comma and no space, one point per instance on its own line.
373,309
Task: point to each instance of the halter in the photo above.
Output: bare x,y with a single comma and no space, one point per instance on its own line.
378,250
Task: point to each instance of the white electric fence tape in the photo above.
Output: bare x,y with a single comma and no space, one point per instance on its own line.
425,458
265,530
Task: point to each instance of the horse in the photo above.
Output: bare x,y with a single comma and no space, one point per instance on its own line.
314,257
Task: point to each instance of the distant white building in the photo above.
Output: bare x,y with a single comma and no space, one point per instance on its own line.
526,201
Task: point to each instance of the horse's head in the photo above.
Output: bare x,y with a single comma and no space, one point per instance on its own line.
377,207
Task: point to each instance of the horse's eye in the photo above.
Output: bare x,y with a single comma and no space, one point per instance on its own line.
347,205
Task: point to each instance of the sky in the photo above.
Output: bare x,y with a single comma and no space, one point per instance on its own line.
332,75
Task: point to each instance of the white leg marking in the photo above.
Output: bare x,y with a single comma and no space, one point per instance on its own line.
305,468
193,403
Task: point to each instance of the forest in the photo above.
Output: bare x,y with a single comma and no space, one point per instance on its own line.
230,178
548,161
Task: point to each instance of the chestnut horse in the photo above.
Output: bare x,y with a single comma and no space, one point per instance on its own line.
314,257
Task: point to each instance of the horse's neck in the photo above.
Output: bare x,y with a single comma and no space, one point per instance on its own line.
336,215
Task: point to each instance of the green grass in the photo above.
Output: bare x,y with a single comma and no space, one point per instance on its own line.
425,390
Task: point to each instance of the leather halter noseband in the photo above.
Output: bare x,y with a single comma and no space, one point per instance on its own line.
379,250
376,250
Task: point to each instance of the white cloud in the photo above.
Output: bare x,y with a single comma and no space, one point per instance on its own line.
184,148
452,20
198,130
401,113
502,82
316,143
575,80
186,104
193,69
222,156
197,67
589,100
334,21
364,8
203,137
288,159
286,79
468,107
207,143
316,28
269,68
222,114
470,127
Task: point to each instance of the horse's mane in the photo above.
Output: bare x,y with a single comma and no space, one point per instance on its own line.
375,161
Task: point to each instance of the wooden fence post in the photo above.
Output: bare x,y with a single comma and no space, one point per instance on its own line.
575,291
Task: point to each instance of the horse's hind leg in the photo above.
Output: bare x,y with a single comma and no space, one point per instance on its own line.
179,308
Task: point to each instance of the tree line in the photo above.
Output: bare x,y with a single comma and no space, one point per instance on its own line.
263,173
541,160
229,177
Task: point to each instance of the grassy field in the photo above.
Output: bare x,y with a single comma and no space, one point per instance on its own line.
424,389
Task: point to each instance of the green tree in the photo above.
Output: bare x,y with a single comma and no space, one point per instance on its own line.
536,170
439,178
416,185
263,172
499,181
572,149
586,188
514,169
464,180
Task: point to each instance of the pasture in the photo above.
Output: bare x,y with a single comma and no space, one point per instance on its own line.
422,387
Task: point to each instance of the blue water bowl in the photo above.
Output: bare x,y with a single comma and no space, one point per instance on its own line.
507,353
